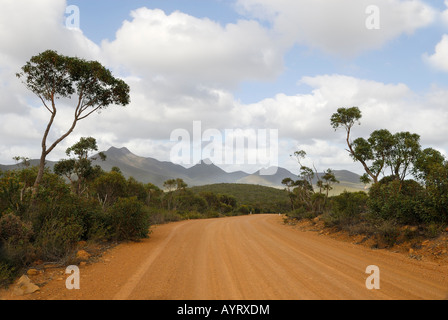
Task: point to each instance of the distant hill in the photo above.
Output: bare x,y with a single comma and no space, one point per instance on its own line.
157,172
267,199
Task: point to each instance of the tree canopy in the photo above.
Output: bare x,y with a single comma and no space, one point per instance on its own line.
51,76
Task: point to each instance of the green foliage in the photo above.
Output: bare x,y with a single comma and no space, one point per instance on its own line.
81,166
109,187
161,215
51,76
301,213
262,199
436,182
345,117
349,204
127,220
15,240
346,209
392,200
387,233
187,201
59,223
58,237
137,189
7,274
245,209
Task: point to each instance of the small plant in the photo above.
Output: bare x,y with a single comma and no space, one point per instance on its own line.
388,233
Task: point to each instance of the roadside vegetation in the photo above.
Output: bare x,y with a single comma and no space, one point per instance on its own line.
249,198
81,203
46,215
408,188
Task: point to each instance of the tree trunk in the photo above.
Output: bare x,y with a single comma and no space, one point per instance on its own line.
40,173
366,168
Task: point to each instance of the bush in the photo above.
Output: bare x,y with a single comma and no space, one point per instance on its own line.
127,220
187,201
15,240
193,215
59,223
58,238
406,203
346,209
7,274
245,209
109,187
387,233
13,229
161,216
301,213
349,204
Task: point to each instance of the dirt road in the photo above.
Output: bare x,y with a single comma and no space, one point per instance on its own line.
248,258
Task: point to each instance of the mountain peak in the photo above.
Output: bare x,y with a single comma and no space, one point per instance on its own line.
123,150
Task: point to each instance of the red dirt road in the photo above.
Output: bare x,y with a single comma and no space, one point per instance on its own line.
253,257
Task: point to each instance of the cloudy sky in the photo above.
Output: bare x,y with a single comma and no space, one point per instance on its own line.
283,65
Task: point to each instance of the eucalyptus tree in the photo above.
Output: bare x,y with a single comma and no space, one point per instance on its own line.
359,149
51,76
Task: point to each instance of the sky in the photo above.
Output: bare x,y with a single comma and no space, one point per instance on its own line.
236,67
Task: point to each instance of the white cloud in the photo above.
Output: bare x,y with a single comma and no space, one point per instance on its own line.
30,27
339,27
445,14
181,47
181,69
439,60
305,118
26,29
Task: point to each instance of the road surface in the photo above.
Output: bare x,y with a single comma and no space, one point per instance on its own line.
253,257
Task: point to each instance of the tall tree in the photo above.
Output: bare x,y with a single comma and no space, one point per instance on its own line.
346,118
374,153
330,179
290,184
52,76
427,161
405,152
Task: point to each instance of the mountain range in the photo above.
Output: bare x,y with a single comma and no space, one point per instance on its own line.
157,172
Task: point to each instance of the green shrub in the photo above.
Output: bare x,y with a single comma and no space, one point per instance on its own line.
245,209
404,202
349,204
193,215
15,237
433,230
388,233
187,201
127,220
12,228
58,237
211,214
346,210
7,274
301,213
109,187
161,216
